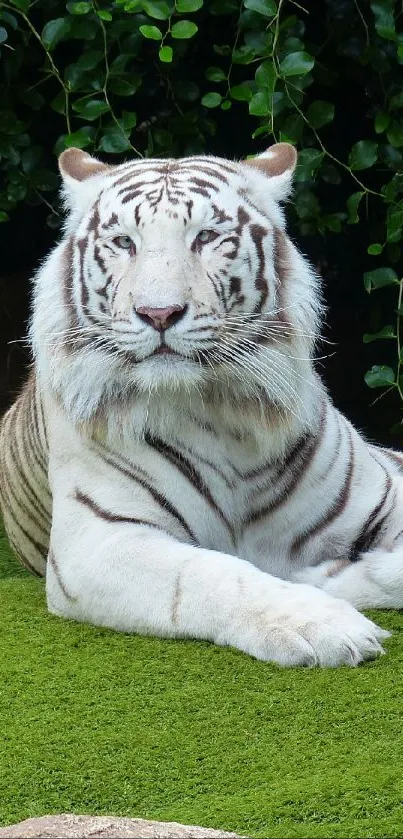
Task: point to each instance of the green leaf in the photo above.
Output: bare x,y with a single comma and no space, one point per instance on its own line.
4,216
226,105
23,5
58,104
113,141
395,223
261,104
211,100
363,155
385,332
222,49
391,156
90,109
215,74
81,139
54,31
375,249
243,55
307,205
266,75
241,92
320,113
183,6
223,7
3,35
384,19
79,8
17,191
353,203
395,134
129,120
132,5
104,15
7,17
382,121
308,162
396,101
292,129
379,278
166,54
296,64
151,32
90,59
31,158
379,376
267,8
332,221
123,87
184,29
159,10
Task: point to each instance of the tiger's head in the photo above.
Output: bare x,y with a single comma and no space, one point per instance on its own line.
174,274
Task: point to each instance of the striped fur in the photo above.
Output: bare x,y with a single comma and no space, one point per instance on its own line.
174,455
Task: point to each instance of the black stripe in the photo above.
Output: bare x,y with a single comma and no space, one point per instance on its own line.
22,559
228,481
189,472
132,472
108,516
258,233
27,511
372,529
52,561
297,463
336,508
24,485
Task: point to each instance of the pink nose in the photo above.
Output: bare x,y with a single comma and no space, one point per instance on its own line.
161,319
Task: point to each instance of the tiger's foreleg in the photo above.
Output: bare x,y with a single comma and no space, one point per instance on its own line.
373,581
375,578
136,578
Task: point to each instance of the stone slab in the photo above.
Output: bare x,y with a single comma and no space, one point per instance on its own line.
70,826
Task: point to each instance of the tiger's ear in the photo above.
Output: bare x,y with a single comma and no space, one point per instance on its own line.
78,165
278,164
77,169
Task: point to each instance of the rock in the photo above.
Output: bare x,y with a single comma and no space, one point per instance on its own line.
70,826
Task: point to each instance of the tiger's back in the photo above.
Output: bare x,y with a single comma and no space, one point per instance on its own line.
25,495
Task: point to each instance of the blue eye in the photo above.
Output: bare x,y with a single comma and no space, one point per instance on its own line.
206,236
124,242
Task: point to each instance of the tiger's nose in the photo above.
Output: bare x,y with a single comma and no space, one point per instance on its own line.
161,319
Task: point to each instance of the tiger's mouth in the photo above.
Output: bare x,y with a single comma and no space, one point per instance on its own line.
199,357
163,349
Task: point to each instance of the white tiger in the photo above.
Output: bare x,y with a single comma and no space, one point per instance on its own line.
174,454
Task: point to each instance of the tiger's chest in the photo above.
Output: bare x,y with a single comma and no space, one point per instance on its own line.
208,483
232,494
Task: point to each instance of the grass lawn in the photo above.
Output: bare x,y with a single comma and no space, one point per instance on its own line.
97,722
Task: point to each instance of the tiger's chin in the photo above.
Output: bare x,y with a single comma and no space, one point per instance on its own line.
169,371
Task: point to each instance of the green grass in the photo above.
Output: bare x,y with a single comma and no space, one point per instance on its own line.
97,722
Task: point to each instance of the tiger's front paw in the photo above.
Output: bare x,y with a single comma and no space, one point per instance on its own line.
310,628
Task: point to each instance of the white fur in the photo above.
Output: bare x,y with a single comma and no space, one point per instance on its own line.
209,571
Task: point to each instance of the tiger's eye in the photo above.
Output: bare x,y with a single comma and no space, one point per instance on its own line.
124,242
206,236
